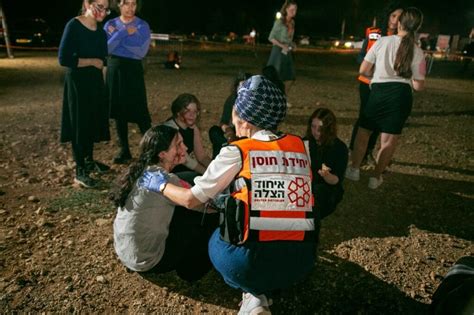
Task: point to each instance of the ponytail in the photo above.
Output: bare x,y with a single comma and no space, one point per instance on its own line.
404,56
410,22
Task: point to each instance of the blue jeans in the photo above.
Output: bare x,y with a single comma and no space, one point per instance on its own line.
261,267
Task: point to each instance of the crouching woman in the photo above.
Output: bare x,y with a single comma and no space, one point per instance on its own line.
151,233
268,233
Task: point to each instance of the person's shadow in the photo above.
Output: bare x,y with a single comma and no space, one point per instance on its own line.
334,286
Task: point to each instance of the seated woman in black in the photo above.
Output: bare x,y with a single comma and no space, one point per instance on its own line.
329,157
186,109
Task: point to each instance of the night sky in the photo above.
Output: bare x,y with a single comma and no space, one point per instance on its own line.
314,18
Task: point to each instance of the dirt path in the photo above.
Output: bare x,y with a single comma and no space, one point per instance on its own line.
382,251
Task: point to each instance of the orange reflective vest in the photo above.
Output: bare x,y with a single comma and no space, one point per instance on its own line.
274,193
372,34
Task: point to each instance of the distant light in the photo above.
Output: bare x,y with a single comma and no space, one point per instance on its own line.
278,15
348,44
176,66
253,33
336,43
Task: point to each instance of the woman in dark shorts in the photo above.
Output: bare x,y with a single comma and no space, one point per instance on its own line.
399,67
389,108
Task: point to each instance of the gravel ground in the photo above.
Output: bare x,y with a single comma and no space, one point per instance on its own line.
382,251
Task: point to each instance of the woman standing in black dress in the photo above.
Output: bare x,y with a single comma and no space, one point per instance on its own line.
82,51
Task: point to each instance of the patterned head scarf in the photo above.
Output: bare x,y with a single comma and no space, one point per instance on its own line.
261,103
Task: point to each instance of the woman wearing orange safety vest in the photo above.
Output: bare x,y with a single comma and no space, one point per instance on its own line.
268,235
389,23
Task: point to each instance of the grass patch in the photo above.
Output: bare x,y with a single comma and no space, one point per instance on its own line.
82,200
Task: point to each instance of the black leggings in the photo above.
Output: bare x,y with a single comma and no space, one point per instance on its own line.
82,151
186,246
122,132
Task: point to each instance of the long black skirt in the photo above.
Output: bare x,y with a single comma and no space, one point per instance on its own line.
126,88
85,111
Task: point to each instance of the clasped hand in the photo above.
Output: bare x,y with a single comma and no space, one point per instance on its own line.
154,181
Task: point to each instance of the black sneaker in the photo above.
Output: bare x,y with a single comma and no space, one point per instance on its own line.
96,166
123,158
85,181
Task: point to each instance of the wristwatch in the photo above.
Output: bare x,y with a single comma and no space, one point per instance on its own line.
162,187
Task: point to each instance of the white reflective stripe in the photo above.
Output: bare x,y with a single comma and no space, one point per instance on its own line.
281,224
374,36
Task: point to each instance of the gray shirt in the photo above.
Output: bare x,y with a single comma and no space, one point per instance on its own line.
141,226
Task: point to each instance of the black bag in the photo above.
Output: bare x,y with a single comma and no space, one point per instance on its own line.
455,294
232,221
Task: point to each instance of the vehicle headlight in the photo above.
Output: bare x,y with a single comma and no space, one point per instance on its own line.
348,44
37,34
336,43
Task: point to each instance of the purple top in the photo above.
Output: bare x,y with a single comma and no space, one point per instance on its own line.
123,44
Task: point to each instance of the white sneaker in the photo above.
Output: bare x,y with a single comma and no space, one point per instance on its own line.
254,305
375,182
352,173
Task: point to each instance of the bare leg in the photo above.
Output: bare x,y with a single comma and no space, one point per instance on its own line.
360,146
388,144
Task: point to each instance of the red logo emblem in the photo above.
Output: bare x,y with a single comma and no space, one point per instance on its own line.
299,192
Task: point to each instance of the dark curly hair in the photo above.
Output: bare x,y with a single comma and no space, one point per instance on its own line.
182,101
157,139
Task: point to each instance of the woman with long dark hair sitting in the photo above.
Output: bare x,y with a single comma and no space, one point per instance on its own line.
151,233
